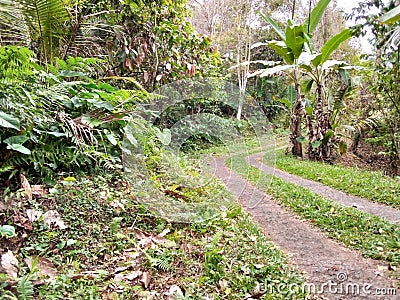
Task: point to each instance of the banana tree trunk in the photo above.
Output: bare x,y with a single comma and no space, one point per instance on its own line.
319,148
295,147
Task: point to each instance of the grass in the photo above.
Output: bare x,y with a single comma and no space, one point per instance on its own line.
112,248
370,235
370,185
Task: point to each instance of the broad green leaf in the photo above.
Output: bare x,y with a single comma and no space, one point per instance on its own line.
316,15
309,85
111,139
7,231
342,147
275,26
282,50
91,122
309,110
129,136
291,94
391,16
327,136
69,73
334,43
19,148
345,76
307,58
315,144
103,104
274,70
164,136
16,139
309,43
54,133
295,39
285,102
9,121
301,139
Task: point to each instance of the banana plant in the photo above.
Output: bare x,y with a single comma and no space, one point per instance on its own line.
300,58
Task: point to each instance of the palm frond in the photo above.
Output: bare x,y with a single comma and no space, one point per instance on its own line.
45,19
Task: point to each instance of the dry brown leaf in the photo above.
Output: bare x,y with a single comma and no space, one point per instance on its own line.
26,186
3,206
140,234
159,239
119,277
33,214
121,269
164,232
10,264
145,279
53,217
133,275
22,221
45,267
174,292
38,190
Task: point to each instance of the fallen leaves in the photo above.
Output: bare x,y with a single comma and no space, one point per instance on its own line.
51,217
26,186
10,264
43,266
145,280
146,239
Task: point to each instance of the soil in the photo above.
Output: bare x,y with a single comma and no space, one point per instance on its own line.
367,158
336,271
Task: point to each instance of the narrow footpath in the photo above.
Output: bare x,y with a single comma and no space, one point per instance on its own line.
387,212
330,267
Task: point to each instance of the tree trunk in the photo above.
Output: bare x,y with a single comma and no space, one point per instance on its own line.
318,149
295,147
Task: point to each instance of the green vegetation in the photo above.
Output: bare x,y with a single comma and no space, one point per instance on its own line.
96,202
367,184
371,235
111,245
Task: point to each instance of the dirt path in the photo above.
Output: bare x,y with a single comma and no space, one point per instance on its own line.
340,272
389,213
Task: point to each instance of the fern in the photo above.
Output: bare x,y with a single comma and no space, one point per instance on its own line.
25,288
163,260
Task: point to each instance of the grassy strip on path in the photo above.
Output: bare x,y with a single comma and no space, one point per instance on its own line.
370,185
371,235
112,249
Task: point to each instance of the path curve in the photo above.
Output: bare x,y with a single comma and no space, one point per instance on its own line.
387,212
321,258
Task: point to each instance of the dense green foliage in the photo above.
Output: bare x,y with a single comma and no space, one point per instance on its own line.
61,121
383,115
86,134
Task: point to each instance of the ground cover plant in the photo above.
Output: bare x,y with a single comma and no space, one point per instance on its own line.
371,185
100,242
